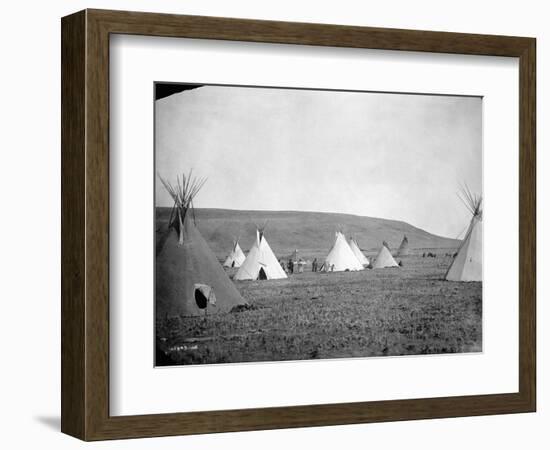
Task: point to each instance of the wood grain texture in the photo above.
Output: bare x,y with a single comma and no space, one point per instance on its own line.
85,224
97,225
266,31
527,224
73,108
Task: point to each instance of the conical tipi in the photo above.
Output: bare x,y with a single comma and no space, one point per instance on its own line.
341,256
467,265
236,257
357,252
260,263
189,279
384,258
403,249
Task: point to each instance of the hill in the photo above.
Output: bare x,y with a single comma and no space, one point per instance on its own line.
312,233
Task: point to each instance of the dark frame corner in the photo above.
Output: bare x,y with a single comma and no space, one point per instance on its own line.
85,224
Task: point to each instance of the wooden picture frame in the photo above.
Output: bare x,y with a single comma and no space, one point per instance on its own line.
85,224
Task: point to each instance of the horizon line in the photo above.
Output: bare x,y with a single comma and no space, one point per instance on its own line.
320,212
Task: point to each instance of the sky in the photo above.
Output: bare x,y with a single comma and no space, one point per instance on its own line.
393,156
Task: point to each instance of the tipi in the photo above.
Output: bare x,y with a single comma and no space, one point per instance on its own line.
467,265
236,257
341,256
189,279
403,249
384,258
357,252
260,263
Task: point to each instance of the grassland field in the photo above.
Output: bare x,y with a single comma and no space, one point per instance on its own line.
409,310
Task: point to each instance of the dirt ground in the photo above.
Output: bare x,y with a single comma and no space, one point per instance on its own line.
400,311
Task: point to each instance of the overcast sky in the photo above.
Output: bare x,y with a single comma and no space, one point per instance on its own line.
372,154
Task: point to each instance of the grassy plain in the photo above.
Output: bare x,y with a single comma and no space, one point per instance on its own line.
384,312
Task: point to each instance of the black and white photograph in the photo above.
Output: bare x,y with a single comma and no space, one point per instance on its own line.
302,224
268,225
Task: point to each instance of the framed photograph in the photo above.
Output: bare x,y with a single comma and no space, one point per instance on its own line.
273,225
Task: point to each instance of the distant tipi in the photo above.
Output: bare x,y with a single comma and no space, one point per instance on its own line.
260,263
357,252
403,249
467,264
236,257
189,279
384,258
341,256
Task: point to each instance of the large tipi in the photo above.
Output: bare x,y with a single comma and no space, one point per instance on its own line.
384,258
357,252
260,263
189,279
341,256
403,249
236,257
467,264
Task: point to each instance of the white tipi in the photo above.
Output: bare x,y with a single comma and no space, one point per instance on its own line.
260,263
384,258
357,252
341,256
467,265
236,257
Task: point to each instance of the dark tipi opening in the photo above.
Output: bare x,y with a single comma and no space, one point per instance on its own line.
200,299
262,275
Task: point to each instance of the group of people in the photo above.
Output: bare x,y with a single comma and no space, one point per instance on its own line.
298,266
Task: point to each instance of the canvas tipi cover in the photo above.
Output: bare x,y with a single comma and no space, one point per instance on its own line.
384,258
403,249
467,265
189,279
341,256
261,262
236,257
358,253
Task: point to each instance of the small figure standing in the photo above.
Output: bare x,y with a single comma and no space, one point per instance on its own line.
314,265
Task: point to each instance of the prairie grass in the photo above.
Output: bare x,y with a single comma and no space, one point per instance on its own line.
382,312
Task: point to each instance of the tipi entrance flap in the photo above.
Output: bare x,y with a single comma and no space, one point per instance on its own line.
204,295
